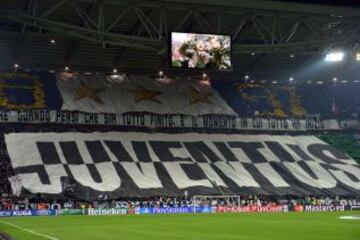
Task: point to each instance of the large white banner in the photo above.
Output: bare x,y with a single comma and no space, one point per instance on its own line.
118,164
96,93
150,120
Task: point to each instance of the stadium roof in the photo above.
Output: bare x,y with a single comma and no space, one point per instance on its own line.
132,36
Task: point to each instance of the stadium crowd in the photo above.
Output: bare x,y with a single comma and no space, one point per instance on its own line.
9,202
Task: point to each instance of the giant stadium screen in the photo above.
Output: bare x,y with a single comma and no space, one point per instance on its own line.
200,51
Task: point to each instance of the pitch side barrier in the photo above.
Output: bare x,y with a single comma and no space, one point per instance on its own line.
27,213
179,210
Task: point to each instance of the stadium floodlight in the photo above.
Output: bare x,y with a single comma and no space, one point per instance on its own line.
246,77
358,57
52,41
291,79
292,55
335,79
334,57
16,65
115,70
67,68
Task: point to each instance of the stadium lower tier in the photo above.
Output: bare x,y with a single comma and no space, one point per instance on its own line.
112,165
180,210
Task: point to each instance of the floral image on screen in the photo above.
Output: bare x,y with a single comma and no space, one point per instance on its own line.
205,51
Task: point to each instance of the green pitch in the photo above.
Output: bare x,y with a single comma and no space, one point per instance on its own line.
247,226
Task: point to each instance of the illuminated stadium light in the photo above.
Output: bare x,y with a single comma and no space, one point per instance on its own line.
291,79
344,81
252,54
358,57
274,82
161,73
335,79
320,82
52,41
87,73
115,70
67,68
334,57
247,77
204,75
16,65
292,55
356,81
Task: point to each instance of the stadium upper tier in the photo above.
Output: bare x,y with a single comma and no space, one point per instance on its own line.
120,94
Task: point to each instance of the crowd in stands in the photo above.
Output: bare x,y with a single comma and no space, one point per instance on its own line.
338,100
247,99
8,202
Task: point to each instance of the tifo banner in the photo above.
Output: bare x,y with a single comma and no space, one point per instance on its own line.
119,94
28,91
172,210
264,99
253,208
150,120
130,164
330,100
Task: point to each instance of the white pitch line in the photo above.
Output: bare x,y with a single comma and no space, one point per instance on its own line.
354,217
30,231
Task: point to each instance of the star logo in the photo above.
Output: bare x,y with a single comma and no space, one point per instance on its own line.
142,93
197,97
84,91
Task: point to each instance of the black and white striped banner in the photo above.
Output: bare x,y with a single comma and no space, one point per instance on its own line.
118,164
